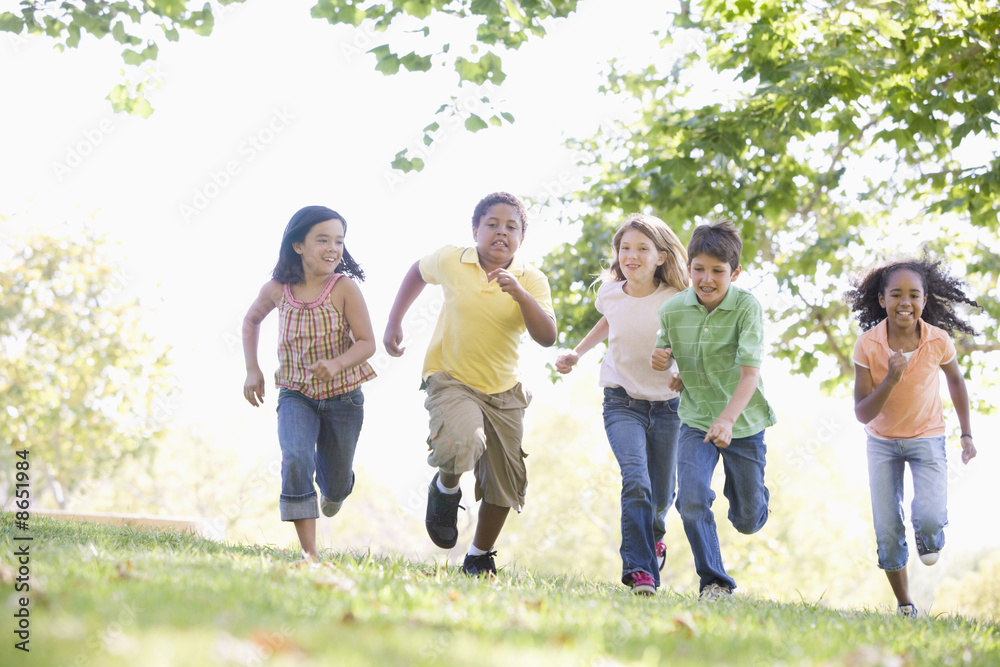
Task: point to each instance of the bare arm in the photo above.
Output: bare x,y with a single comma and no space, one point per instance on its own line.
356,313
411,287
721,430
266,301
567,360
869,399
960,398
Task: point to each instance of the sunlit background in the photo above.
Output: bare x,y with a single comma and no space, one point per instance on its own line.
275,111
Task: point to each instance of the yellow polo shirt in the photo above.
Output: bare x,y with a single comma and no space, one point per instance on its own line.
479,328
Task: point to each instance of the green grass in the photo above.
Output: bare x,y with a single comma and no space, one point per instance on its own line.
105,595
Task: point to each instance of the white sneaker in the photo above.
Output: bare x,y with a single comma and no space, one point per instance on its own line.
930,557
329,507
714,592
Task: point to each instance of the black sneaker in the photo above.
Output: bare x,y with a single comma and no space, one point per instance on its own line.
480,565
442,515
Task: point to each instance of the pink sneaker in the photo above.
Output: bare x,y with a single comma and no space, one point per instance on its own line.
661,554
643,584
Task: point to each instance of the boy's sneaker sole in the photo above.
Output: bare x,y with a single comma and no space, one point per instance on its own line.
442,515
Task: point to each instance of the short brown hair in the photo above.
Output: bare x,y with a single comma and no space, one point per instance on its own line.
718,239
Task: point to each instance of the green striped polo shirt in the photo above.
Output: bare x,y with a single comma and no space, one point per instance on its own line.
709,349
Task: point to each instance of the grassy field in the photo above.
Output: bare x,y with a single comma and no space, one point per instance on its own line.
104,595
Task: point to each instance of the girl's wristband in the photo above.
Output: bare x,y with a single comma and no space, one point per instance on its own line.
965,435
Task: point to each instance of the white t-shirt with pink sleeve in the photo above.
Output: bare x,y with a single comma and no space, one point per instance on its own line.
633,324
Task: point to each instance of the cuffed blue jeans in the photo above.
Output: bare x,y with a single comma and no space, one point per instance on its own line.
929,512
643,437
743,462
317,438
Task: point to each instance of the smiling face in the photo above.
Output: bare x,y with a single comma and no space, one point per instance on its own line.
498,236
710,279
322,249
638,258
904,299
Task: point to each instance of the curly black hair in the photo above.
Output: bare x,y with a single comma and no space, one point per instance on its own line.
500,198
943,292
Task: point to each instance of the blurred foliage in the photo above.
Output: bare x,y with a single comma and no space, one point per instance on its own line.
83,385
493,27
843,135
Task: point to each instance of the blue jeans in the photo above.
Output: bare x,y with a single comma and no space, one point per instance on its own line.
317,438
643,436
929,469
743,462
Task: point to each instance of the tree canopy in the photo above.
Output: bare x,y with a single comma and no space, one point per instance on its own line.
83,384
850,125
492,28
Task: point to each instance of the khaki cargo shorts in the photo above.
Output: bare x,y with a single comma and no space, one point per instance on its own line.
465,423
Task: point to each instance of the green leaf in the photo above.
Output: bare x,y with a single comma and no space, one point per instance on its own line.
421,9
509,117
414,63
11,23
474,123
338,12
487,68
138,57
404,164
387,62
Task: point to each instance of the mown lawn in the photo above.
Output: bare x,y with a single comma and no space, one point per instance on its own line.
105,595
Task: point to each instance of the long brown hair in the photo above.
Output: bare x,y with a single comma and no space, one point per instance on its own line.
673,271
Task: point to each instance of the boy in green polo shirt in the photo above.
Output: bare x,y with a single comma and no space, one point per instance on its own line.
714,331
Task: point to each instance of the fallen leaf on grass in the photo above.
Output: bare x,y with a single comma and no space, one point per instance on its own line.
276,642
685,623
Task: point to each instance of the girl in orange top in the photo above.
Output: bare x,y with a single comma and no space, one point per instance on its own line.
324,341
907,311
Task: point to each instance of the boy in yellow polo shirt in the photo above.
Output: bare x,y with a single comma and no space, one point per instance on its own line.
474,399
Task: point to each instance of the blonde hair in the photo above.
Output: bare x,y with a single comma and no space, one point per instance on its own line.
673,271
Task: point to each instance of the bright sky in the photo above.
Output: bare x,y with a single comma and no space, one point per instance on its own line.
274,111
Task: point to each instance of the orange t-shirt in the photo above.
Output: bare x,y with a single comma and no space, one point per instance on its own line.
913,409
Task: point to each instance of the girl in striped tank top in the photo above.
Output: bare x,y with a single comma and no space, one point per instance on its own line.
325,339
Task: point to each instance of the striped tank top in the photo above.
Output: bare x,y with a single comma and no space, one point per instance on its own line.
309,332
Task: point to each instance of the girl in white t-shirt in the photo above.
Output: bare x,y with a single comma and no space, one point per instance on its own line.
648,266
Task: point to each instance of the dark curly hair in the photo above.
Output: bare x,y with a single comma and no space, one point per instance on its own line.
289,270
500,198
942,290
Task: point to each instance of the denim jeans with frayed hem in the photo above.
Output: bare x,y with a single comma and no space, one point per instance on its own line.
743,461
643,437
929,513
317,438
